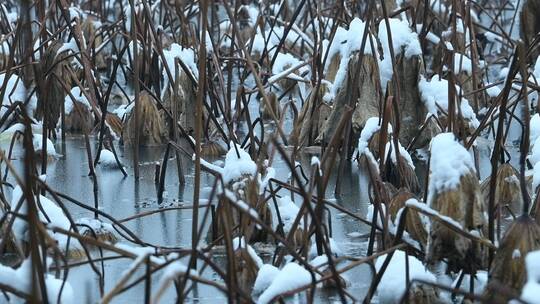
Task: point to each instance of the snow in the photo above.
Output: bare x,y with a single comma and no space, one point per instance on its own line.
18,127
319,261
53,290
354,234
534,157
186,55
258,43
371,209
57,219
11,17
403,40
173,270
462,63
430,36
531,290
240,204
390,148
240,243
79,96
393,283
138,251
536,71
15,91
107,159
4,46
315,161
236,165
209,45
287,70
480,282
435,93
267,273
425,208
535,151
19,279
284,64
278,33
344,44
393,226
263,182
253,13
334,247
127,13
371,127
536,176
75,12
493,91
37,141
292,276
288,212
96,225
534,128
123,110
449,162
70,46
53,217
271,39
503,73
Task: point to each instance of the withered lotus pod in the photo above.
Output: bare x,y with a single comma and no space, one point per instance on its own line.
430,130
374,146
412,109
333,67
311,119
361,84
54,68
274,105
4,53
464,205
89,30
413,223
212,148
508,266
402,175
151,126
246,268
507,191
389,191
11,248
114,122
530,22
75,254
94,228
182,106
535,210
80,119
227,212
423,294
251,229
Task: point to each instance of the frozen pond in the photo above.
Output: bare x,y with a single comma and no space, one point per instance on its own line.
123,197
